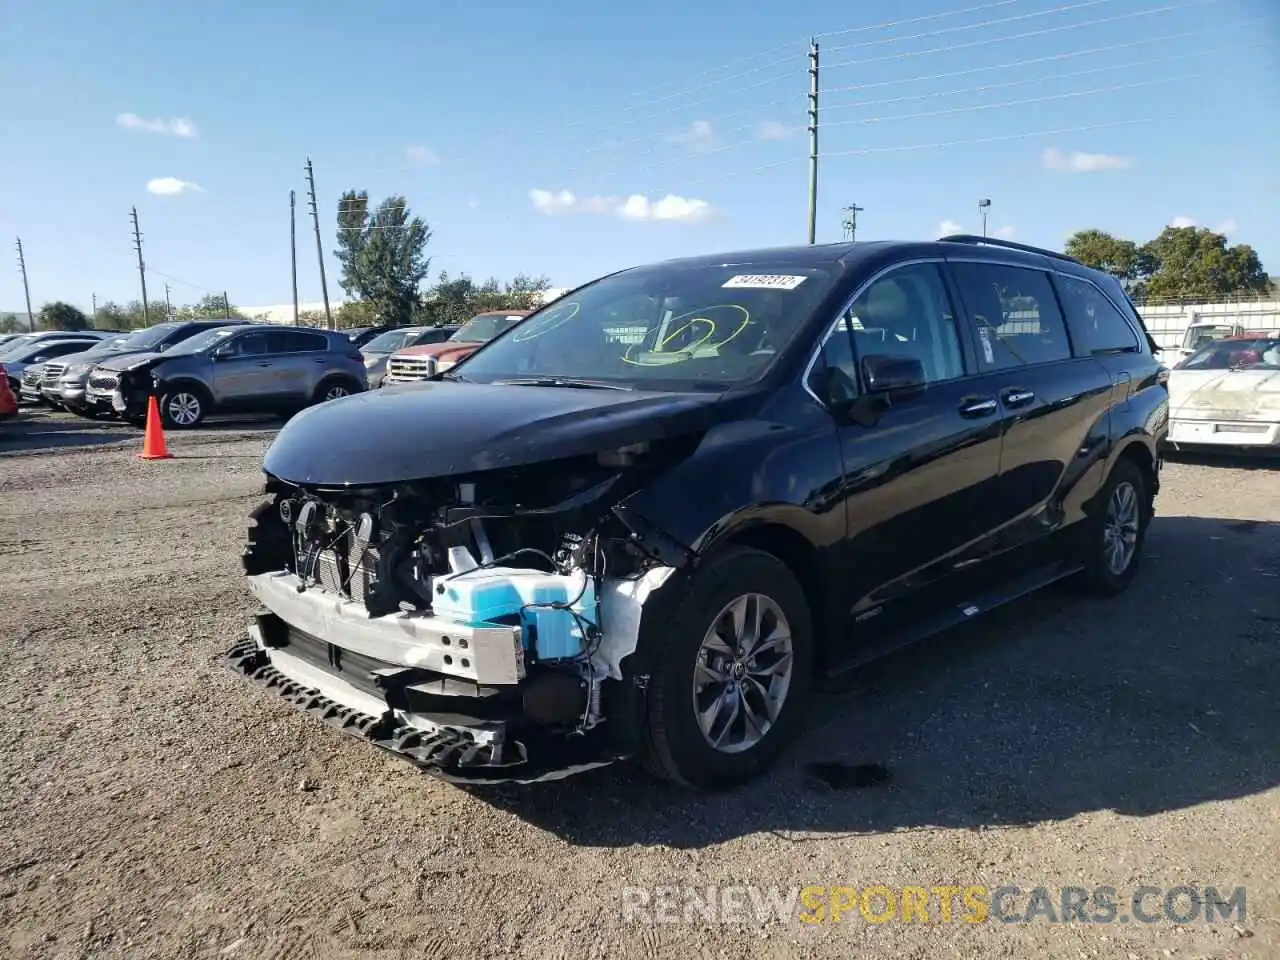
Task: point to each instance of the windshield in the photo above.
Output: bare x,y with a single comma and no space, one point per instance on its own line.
12,347
485,327
107,346
667,327
1262,353
201,341
387,342
151,336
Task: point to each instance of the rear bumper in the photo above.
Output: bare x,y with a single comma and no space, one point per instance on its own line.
1223,433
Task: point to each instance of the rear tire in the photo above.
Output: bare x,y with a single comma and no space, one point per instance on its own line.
334,388
700,682
1114,535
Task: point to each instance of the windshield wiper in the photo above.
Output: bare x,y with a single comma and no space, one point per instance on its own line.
560,382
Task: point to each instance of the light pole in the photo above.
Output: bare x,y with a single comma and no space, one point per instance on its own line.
983,206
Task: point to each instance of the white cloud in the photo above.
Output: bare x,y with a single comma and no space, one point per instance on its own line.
634,207
700,136
1227,227
1008,233
178,127
1182,222
172,186
773,130
949,226
1078,162
424,156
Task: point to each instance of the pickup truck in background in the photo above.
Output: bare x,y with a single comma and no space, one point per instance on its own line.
426,360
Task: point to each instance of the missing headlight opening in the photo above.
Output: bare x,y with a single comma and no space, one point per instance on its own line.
463,620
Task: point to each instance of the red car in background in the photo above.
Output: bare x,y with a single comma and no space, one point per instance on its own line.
418,363
8,401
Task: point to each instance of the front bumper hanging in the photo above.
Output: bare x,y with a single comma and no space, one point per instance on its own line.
485,755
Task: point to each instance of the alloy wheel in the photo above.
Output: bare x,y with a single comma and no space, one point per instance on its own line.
336,391
742,673
184,409
1120,528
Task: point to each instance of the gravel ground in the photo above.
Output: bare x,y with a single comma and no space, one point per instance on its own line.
156,806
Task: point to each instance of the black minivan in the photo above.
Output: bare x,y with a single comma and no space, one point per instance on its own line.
644,520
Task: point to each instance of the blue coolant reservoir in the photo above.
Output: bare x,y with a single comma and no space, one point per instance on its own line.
497,594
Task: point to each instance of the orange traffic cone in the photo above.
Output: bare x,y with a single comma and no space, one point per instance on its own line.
153,446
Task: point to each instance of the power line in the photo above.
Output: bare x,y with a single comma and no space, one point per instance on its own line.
929,114
791,161
970,26
973,108
1151,11
986,88
759,110
794,44
1052,58
924,19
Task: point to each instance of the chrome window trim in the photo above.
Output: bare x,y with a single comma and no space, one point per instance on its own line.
1138,337
950,258
831,325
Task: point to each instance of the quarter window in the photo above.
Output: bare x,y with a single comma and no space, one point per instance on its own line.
1015,315
1096,325
908,312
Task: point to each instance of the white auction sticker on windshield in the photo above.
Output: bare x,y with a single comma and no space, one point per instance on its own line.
763,281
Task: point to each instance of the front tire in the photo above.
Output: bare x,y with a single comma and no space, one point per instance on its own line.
183,407
730,684
1115,534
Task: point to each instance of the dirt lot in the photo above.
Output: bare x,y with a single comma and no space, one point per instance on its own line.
156,806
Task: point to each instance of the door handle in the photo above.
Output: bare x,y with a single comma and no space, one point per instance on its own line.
978,407
264,363
1017,397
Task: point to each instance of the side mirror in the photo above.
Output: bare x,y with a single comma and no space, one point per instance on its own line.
887,373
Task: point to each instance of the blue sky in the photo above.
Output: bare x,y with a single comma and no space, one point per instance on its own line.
467,109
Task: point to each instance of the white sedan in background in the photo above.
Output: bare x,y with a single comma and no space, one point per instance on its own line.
1227,394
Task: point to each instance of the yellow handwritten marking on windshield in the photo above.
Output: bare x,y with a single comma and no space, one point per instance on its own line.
684,354
556,317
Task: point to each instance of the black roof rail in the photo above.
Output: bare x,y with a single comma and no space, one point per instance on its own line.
1010,244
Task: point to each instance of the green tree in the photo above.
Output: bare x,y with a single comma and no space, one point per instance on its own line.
1195,263
62,316
352,314
383,254
9,323
353,230
1101,251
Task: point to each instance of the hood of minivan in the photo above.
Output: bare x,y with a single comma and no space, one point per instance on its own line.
437,429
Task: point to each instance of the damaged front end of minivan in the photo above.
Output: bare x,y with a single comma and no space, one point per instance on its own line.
477,623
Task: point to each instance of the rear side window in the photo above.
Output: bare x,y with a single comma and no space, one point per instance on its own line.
1015,315
1096,325
294,341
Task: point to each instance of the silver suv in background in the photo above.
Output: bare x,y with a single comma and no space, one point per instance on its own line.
248,368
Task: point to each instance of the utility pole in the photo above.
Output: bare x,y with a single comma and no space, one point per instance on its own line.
983,206
813,141
315,218
95,309
226,306
293,250
851,221
168,304
142,268
22,266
